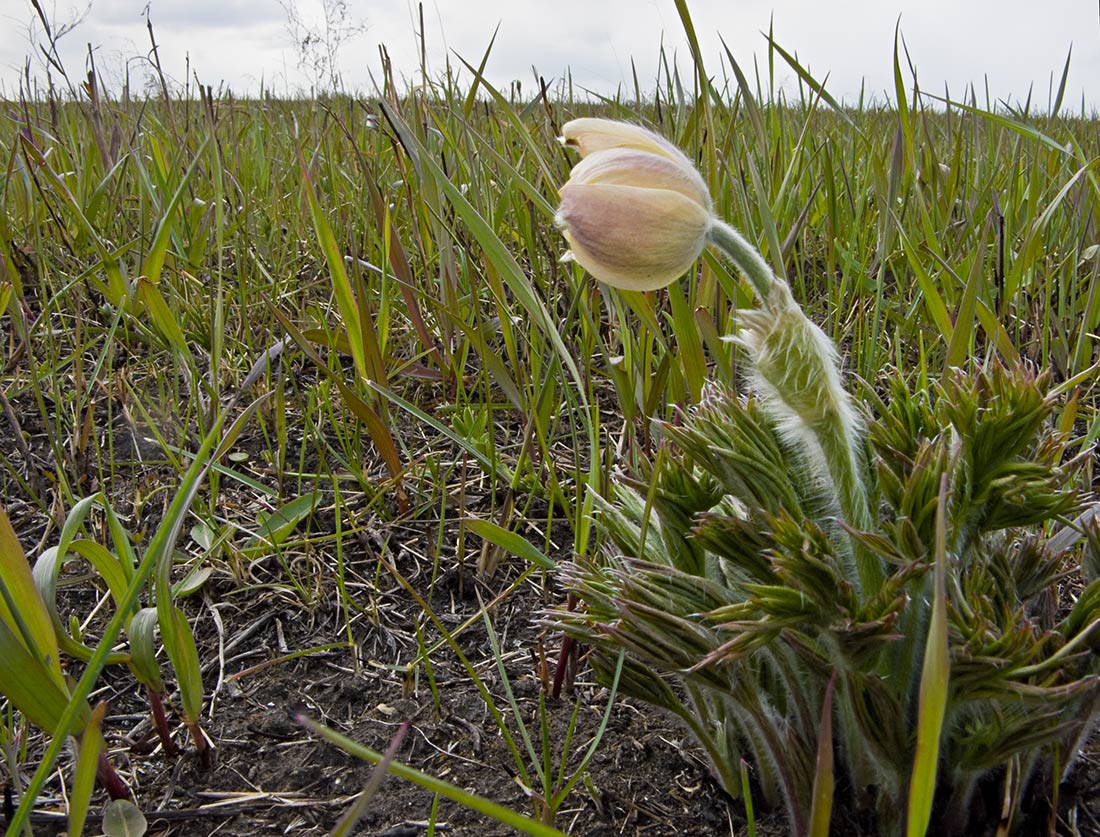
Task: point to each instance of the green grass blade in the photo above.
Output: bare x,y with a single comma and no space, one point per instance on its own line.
933,299
523,824
90,746
364,346
162,316
497,254
346,825
377,428
154,261
962,336
1056,107
810,81
693,361
933,689
821,811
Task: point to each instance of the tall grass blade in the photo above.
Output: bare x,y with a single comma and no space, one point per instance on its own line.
88,754
523,824
364,346
377,428
816,86
154,261
962,336
352,815
1056,106
821,811
933,688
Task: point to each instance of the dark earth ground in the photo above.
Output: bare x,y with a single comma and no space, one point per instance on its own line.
272,776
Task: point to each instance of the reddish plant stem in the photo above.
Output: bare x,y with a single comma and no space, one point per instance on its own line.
160,721
110,780
202,746
568,649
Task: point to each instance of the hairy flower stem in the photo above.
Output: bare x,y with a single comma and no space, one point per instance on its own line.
744,255
796,368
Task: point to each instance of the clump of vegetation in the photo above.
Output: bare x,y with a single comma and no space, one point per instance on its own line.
961,681
802,570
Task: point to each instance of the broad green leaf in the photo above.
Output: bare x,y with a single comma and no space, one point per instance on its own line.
21,608
163,540
105,563
46,571
192,582
203,535
124,819
75,519
143,649
30,685
511,541
275,527
179,643
120,540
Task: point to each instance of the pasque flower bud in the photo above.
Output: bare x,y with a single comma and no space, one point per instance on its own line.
635,211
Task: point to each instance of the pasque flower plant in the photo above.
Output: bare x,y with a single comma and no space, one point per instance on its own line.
637,215
829,586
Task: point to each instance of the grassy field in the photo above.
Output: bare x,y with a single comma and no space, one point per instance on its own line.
428,399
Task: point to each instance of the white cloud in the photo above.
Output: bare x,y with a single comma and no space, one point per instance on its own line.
1013,43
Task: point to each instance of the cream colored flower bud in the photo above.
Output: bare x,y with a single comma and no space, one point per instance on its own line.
590,135
634,211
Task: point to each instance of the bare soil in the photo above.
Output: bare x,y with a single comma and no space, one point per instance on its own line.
273,776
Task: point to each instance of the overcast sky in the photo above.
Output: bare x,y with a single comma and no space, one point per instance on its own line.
1011,44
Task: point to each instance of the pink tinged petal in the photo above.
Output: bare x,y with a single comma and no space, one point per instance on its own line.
632,167
632,238
590,135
